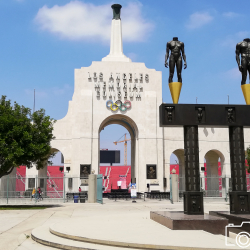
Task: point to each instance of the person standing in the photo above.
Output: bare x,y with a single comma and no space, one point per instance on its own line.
40,193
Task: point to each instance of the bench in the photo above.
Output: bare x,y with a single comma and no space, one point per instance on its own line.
158,195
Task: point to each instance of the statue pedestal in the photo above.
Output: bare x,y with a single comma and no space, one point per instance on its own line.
175,90
246,92
177,220
239,202
193,202
235,219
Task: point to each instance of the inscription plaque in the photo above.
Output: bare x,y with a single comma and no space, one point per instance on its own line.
151,172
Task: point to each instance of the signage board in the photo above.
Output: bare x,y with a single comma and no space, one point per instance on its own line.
133,190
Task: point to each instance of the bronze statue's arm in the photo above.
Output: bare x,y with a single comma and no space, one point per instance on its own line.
167,55
237,52
183,55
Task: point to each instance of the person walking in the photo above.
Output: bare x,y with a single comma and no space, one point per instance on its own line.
37,195
33,193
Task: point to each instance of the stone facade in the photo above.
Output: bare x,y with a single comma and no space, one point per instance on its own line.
96,87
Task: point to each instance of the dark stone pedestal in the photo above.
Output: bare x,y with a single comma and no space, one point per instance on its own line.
193,203
239,202
177,220
235,219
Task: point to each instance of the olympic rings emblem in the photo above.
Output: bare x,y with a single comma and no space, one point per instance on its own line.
118,105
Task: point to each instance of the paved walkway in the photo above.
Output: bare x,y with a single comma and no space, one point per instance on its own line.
122,221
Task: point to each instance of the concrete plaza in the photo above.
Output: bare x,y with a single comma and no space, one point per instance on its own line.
114,221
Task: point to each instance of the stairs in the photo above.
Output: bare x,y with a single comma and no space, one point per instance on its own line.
43,236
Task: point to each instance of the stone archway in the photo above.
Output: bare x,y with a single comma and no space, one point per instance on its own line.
131,126
114,79
213,180
180,155
50,180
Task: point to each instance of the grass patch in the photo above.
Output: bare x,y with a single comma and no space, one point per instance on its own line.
20,208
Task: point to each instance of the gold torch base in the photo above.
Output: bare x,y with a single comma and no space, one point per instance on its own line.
246,92
175,90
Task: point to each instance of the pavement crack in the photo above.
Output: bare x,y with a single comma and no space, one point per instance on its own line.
49,217
72,213
19,223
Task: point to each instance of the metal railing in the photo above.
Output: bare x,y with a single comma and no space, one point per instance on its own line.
18,189
217,186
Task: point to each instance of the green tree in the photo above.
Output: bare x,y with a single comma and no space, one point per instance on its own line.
24,137
248,159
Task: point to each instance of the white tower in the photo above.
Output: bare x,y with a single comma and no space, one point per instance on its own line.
116,49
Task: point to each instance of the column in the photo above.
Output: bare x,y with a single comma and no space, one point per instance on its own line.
239,197
193,198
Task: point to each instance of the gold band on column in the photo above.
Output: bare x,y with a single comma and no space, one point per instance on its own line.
246,92
175,90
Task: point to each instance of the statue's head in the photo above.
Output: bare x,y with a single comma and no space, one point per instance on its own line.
175,38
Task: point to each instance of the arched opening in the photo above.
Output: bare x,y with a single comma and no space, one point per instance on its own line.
127,126
177,165
51,177
116,175
22,181
213,163
55,177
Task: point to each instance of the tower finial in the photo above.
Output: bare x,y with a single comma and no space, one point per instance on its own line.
116,49
116,11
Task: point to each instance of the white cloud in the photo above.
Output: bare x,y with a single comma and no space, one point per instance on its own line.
232,74
85,21
199,19
230,14
231,40
134,26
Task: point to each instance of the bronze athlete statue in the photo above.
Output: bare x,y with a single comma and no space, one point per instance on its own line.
243,49
175,59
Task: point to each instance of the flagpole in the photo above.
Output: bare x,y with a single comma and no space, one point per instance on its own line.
34,101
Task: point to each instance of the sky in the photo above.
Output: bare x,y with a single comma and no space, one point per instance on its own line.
42,42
